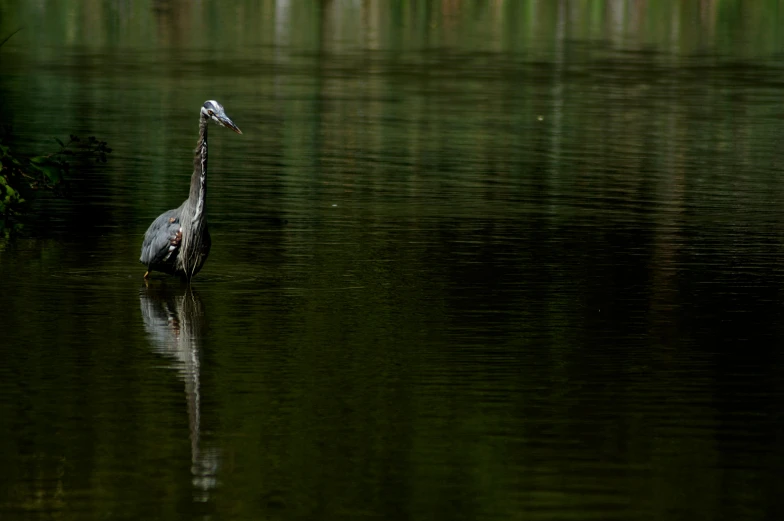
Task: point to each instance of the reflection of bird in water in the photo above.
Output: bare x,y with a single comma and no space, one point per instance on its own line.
174,320
178,242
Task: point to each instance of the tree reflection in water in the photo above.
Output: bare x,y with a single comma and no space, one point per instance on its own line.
175,322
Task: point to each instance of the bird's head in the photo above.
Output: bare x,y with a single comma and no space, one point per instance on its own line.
214,111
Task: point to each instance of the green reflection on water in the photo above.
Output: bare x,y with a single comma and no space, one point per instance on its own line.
472,260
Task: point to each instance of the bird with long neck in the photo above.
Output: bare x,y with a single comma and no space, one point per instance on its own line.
178,242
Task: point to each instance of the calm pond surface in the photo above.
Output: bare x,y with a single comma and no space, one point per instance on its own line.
471,260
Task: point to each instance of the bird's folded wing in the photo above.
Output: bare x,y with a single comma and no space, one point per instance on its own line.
162,239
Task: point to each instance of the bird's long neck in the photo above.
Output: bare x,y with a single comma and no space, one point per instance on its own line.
193,219
198,192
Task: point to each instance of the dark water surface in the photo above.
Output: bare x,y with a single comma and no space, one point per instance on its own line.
471,260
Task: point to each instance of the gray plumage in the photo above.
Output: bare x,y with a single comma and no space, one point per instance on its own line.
178,242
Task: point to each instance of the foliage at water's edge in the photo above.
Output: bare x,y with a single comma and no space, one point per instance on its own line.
23,177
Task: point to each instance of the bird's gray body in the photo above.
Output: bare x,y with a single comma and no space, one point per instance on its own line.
178,242
161,248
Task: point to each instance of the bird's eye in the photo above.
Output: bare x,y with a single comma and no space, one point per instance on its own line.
211,113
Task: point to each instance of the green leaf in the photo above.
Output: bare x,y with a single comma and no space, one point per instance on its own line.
53,172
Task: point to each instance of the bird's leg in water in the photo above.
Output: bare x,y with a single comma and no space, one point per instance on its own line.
146,274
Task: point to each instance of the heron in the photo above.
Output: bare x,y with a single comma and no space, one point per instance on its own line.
178,242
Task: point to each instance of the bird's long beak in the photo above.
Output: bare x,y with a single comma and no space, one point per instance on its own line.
226,122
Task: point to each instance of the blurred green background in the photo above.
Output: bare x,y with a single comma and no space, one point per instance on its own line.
471,260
